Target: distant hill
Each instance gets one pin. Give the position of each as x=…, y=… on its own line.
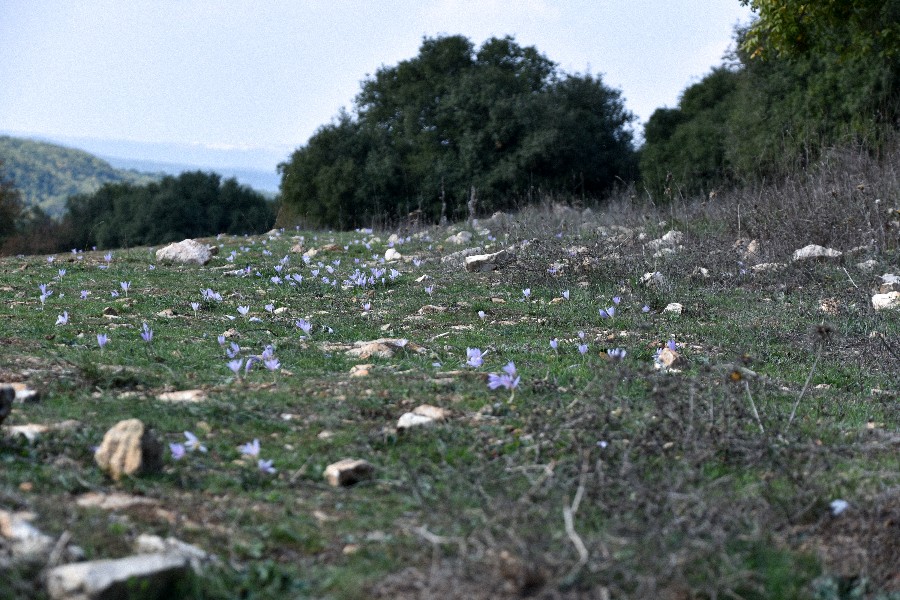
x=47, y=174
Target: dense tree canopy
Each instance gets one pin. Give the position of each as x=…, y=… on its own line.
x=10, y=205
x=500, y=119
x=806, y=76
x=194, y=204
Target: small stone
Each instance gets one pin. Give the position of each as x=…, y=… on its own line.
x=889, y=283
x=360, y=370
x=432, y=412
x=767, y=267
x=674, y=307
x=33, y=431
x=813, y=251
x=886, y=301
x=667, y=359
x=410, y=420
x=670, y=240
x=167, y=313
x=185, y=252
x=298, y=248
x=654, y=279
x=391, y=255
x=182, y=396
x=348, y=471
x=25, y=540
x=867, y=266
x=129, y=448
x=701, y=272
x=481, y=263
x=463, y=237
x=113, y=501
x=154, y=544
x=154, y=574
x=109, y=311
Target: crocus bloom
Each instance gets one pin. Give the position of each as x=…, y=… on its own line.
x=193, y=443
x=616, y=300
x=554, y=343
x=177, y=450
x=85, y=294
x=243, y=310
x=608, y=313
x=235, y=365
x=429, y=290
x=250, y=448
x=304, y=325
x=527, y=292
x=481, y=315
x=63, y=318
x=838, y=506
x=146, y=333
x=195, y=306
x=671, y=345
x=125, y=285
x=233, y=350
x=583, y=348
x=475, y=357
x=616, y=353
x=646, y=309
x=565, y=294
x=102, y=339
x=266, y=466
x=272, y=364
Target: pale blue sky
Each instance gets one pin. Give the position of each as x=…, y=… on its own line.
x=263, y=74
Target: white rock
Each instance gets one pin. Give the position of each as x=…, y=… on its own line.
x=654, y=279
x=867, y=266
x=815, y=252
x=488, y=262
x=432, y=412
x=391, y=254
x=674, y=307
x=393, y=238
x=463, y=237
x=348, y=471
x=459, y=257
x=767, y=267
x=185, y=252
x=410, y=420
x=886, y=301
x=889, y=283
x=671, y=239
x=701, y=272
x=182, y=396
x=154, y=574
x=25, y=540
x=153, y=544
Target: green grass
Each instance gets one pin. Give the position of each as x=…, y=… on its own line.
x=680, y=491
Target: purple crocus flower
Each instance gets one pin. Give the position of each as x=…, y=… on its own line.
x=125, y=285
x=272, y=364
x=63, y=318
x=243, y=310
x=102, y=340
x=266, y=466
x=304, y=325
x=554, y=343
x=235, y=365
x=616, y=353
x=671, y=345
x=146, y=333
x=177, y=450
x=565, y=294
x=474, y=357
x=250, y=448
x=582, y=348
x=193, y=443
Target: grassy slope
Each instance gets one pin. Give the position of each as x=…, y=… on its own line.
x=47, y=174
x=689, y=495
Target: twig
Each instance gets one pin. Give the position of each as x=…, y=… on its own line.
x=569, y=521
x=762, y=429
x=58, y=549
x=805, y=386
x=850, y=278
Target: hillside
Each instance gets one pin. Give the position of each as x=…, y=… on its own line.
x=47, y=174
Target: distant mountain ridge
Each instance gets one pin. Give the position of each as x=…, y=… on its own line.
x=47, y=174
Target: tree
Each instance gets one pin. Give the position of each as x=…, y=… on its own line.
x=501, y=119
x=10, y=205
x=790, y=28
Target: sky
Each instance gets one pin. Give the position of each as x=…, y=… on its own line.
x=255, y=78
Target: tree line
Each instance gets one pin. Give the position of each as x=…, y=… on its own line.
x=193, y=204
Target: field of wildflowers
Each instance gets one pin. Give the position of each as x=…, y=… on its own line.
x=596, y=445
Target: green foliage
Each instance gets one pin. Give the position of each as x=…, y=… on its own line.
x=194, y=204
x=47, y=174
x=500, y=119
x=761, y=118
x=10, y=205
x=789, y=28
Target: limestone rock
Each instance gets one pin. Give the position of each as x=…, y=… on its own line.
x=432, y=412
x=153, y=544
x=392, y=254
x=867, y=266
x=360, y=370
x=25, y=540
x=183, y=396
x=33, y=431
x=458, y=258
x=185, y=252
x=463, y=237
x=7, y=397
x=674, y=307
x=671, y=239
x=813, y=251
x=113, y=501
x=747, y=250
x=411, y=420
x=348, y=471
x=154, y=574
x=382, y=348
x=889, y=283
x=667, y=360
x=654, y=279
x=22, y=392
x=886, y=301
x=767, y=267
x=480, y=263
x=129, y=448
